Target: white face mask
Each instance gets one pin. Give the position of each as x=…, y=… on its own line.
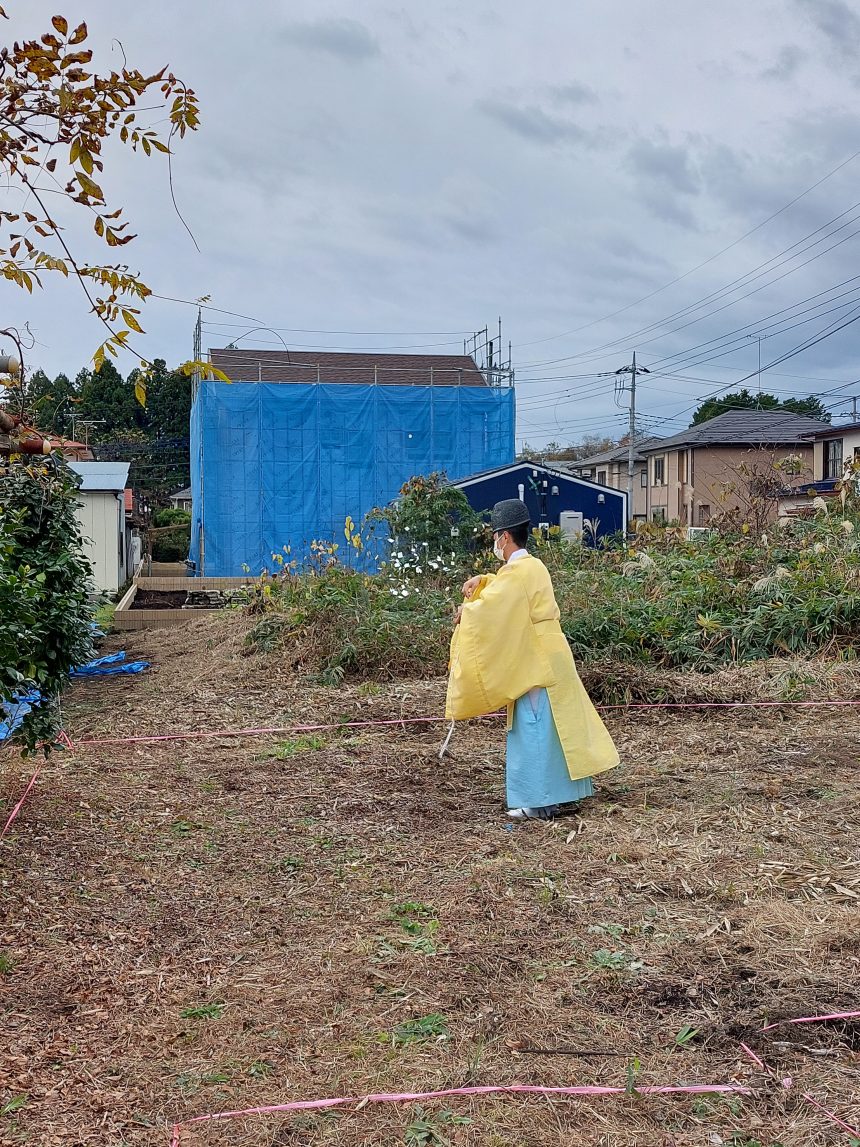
x=497, y=550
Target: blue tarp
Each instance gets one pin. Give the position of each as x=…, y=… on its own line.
x=16, y=710
x=275, y=464
x=110, y=666
x=13, y=712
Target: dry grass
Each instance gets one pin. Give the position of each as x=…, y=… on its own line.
x=712, y=883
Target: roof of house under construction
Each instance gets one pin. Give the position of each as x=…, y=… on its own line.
x=244, y=364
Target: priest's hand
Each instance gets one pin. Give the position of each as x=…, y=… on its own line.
x=458, y=615
x=471, y=585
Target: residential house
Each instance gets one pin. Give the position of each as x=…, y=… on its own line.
x=834, y=447
x=109, y=541
x=181, y=500
x=689, y=476
x=301, y=443
x=609, y=468
x=553, y=497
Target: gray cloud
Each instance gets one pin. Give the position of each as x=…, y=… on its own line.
x=787, y=64
x=360, y=188
x=574, y=93
x=837, y=22
x=532, y=123
x=344, y=38
x=664, y=164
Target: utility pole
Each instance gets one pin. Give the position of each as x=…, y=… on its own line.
x=758, y=338
x=633, y=371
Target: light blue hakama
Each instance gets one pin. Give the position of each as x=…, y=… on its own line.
x=536, y=772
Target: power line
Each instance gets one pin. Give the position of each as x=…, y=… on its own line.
x=358, y=349
x=698, y=267
x=825, y=333
x=760, y=323
x=742, y=280
x=369, y=334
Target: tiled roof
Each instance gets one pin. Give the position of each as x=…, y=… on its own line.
x=836, y=431
x=616, y=454
x=243, y=364
x=745, y=428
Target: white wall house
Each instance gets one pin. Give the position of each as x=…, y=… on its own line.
x=101, y=514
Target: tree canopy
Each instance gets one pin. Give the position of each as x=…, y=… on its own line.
x=746, y=400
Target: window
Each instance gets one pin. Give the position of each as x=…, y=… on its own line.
x=643, y=478
x=833, y=458
x=601, y=477
x=682, y=465
x=704, y=515
x=658, y=514
x=659, y=471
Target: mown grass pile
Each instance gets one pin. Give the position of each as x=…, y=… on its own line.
x=660, y=601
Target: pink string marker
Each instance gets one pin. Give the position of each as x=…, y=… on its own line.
x=415, y=1096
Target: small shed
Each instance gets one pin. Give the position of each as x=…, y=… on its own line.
x=552, y=496
x=101, y=514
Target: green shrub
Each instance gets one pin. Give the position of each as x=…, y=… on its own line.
x=430, y=517
x=663, y=601
x=45, y=583
x=172, y=546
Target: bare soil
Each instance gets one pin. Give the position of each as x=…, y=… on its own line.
x=197, y=926
x=159, y=599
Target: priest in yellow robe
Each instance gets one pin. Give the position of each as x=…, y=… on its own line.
x=509, y=651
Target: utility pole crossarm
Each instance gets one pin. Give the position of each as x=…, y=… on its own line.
x=632, y=370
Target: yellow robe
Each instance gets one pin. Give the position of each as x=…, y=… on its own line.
x=509, y=641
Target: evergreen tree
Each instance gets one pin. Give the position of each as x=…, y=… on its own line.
x=745, y=400
x=168, y=401
x=106, y=397
x=48, y=405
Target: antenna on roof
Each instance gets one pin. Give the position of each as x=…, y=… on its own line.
x=487, y=353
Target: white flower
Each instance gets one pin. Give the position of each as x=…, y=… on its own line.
x=418, y=569
x=847, y=526
x=819, y=504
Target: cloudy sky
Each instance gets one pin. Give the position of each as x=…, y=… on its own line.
x=601, y=175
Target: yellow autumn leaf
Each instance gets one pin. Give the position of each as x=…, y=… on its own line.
x=130, y=320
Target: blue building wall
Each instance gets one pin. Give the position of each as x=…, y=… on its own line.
x=484, y=490
x=276, y=464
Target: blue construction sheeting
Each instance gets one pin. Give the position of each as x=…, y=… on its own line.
x=276, y=464
x=535, y=483
x=13, y=712
x=113, y=665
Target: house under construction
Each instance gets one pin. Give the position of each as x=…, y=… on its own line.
x=298, y=442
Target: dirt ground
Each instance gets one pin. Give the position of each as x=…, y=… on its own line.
x=199, y=926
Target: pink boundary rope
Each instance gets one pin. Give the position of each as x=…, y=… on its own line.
x=831, y=1116
x=814, y=1019
x=20, y=803
x=64, y=738
x=787, y=1082
x=414, y=1096
x=275, y=729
